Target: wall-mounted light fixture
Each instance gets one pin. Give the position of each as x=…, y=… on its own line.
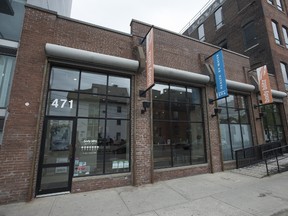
x=216, y=112
x=261, y=115
x=146, y=104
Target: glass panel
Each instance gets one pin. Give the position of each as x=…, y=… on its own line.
x=118, y=107
x=91, y=105
x=58, y=142
x=285, y=34
x=64, y=79
x=160, y=110
x=1, y=128
x=247, y=137
x=223, y=116
x=93, y=83
x=236, y=137
x=196, y=135
x=181, y=144
x=160, y=92
x=88, y=147
x=161, y=143
x=119, y=86
x=218, y=18
x=56, y=177
x=250, y=37
x=194, y=113
x=7, y=64
x=194, y=95
x=233, y=116
x=221, y=102
x=279, y=5
x=231, y=101
x=201, y=34
x=284, y=74
x=61, y=103
x=179, y=111
x=118, y=145
x=276, y=34
x=177, y=94
x=11, y=24
x=225, y=142
x=244, y=117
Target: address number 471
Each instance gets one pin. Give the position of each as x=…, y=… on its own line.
x=61, y=103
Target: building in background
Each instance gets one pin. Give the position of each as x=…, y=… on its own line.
x=11, y=16
x=259, y=30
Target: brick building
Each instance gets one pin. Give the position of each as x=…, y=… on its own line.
x=257, y=29
x=75, y=120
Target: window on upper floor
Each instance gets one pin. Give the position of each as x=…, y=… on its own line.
x=276, y=32
x=276, y=3
x=250, y=37
x=218, y=18
x=1, y=128
x=201, y=33
x=223, y=44
x=284, y=73
x=285, y=35
x=12, y=20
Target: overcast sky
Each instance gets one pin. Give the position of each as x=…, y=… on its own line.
x=172, y=15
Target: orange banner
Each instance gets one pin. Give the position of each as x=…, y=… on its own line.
x=264, y=85
x=150, y=59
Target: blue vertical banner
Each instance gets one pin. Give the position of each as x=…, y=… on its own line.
x=220, y=75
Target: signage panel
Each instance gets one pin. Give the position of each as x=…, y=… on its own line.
x=150, y=59
x=220, y=75
x=264, y=85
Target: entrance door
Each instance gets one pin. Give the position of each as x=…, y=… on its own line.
x=56, y=156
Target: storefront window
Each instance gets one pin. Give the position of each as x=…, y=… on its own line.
x=234, y=125
x=177, y=126
x=273, y=127
x=100, y=104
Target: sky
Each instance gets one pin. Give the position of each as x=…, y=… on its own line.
x=172, y=15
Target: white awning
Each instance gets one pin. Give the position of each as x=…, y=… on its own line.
x=278, y=94
x=239, y=86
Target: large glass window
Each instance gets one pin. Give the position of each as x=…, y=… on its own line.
x=178, y=130
x=218, y=18
x=276, y=32
x=273, y=127
x=235, y=128
x=250, y=38
x=7, y=64
x=99, y=102
x=279, y=5
x=284, y=73
x=201, y=33
x=12, y=20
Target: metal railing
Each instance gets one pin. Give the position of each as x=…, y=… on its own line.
x=252, y=155
x=276, y=155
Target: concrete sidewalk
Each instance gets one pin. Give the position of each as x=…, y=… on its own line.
x=219, y=194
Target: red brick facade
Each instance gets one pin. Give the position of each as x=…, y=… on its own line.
x=19, y=152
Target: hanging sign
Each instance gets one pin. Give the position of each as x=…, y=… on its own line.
x=220, y=75
x=264, y=85
x=150, y=59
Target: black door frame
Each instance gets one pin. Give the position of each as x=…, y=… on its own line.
x=41, y=158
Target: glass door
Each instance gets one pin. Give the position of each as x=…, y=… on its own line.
x=56, y=156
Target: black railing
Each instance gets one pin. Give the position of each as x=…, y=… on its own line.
x=252, y=155
x=276, y=155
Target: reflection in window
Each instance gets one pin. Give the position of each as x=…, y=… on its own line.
x=250, y=37
x=285, y=34
x=284, y=73
x=273, y=127
x=235, y=129
x=201, y=33
x=177, y=126
x=12, y=21
x=101, y=105
x=218, y=18
x=1, y=128
x=276, y=32
x=7, y=64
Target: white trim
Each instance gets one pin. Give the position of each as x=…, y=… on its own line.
x=91, y=57
x=7, y=43
x=239, y=86
x=176, y=74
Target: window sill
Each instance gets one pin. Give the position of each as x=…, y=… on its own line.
x=252, y=47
